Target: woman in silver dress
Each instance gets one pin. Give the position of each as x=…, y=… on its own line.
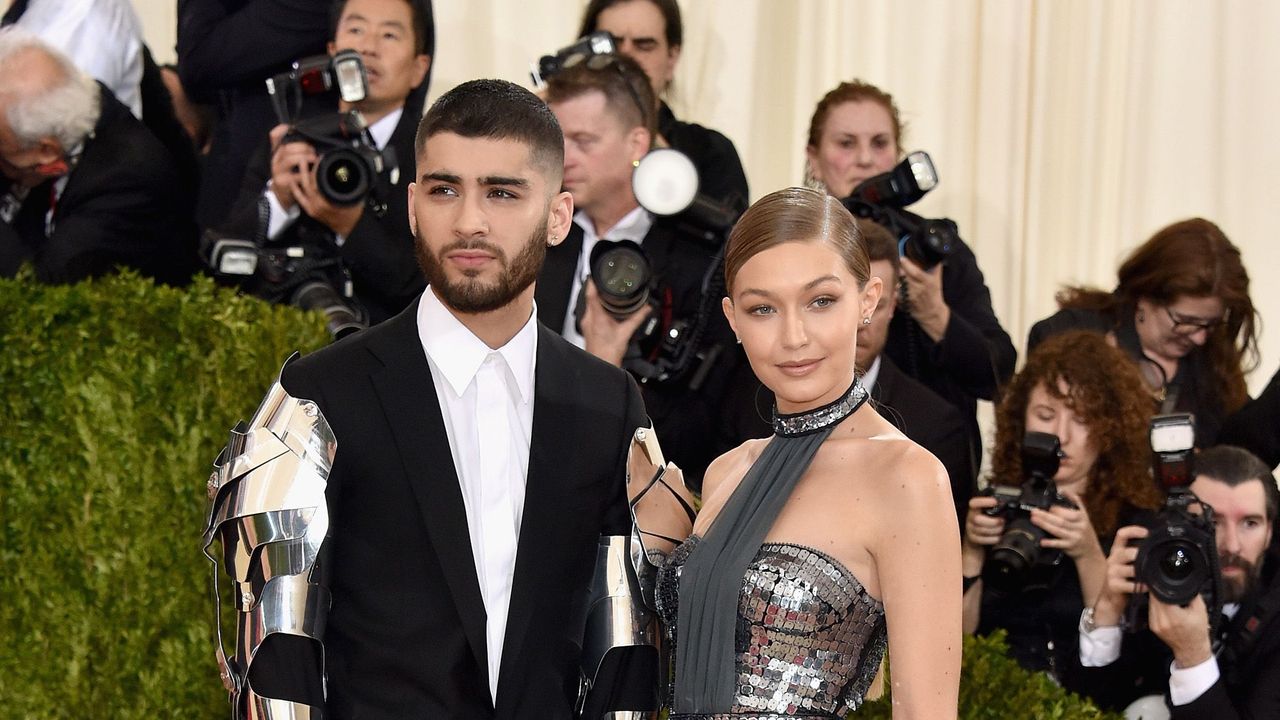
x=820, y=546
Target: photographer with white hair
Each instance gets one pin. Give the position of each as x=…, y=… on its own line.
x=86, y=186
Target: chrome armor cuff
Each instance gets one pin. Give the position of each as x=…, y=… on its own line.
x=621, y=650
x=267, y=513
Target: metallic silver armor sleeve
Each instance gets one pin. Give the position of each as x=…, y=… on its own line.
x=267, y=513
x=621, y=667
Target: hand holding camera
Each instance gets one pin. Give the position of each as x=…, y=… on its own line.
x=607, y=336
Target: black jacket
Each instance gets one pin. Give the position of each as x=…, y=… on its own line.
x=122, y=206
x=406, y=633
x=720, y=173
x=683, y=417
x=1256, y=426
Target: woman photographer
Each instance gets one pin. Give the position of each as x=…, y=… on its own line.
x=950, y=339
x=1181, y=311
x=1079, y=388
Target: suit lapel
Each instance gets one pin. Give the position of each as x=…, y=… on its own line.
x=555, y=282
x=555, y=395
x=408, y=397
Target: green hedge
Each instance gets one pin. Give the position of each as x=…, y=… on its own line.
x=117, y=395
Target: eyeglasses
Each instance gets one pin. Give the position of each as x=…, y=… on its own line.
x=1190, y=326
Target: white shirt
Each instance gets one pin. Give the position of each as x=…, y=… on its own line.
x=278, y=219
x=102, y=37
x=633, y=226
x=486, y=399
x=868, y=379
x=1101, y=647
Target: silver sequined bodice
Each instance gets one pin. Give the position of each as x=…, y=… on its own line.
x=809, y=638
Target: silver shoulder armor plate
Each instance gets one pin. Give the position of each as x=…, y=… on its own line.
x=267, y=514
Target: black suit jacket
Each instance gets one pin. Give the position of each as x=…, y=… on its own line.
x=379, y=252
x=1256, y=426
x=406, y=634
x=122, y=206
x=683, y=417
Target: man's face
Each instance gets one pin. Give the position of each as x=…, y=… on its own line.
x=599, y=150
x=1243, y=533
x=871, y=338
x=482, y=213
x=640, y=30
x=22, y=163
x=382, y=32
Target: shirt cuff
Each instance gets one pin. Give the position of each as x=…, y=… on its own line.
x=1186, y=685
x=277, y=217
x=1101, y=646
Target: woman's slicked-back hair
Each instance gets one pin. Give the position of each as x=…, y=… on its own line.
x=1105, y=389
x=795, y=215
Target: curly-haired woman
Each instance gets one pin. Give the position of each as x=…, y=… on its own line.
x=1080, y=388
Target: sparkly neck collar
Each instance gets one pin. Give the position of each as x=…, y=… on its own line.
x=811, y=421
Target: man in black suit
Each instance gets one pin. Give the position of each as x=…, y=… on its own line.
x=1177, y=656
x=606, y=108
x=479, y=455
x=280, y=202
x=86, y=186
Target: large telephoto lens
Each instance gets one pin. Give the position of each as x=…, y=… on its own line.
x=622, y=275
x=343, y=177
x=1173, y=566
x=340, y=317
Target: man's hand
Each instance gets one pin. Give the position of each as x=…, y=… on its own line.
x=605, y=337
x=1184, y=629
x=924, y=298
x=341, y=219
x=980, y=532
x=1120, y=582
x=289, y=164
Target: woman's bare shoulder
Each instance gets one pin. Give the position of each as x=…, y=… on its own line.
x=725, y=471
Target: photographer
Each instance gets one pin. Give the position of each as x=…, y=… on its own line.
x=949, y=337
x=370, y=237
x=651, y=33
x=1176, y=655
x=1082, y=390
x=604, y=107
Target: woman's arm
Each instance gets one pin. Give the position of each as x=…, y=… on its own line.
x=917, y=558
x=1072, y=532
x=980, y=532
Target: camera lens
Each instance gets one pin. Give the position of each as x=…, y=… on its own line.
x=1177, y=564
x=1010, y=559
x=1175, y=568
x=622, y=275
x=342, y=177
x=930, y=244
x=340, y=317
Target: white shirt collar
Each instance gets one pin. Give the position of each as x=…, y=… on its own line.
x=384, y=128
x=458, y=353
x=633, y=226
x=868, y=379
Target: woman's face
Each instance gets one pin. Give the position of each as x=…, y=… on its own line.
x=856, y=143
x=797, y=308
x=1170, y=332
x=1049, y=414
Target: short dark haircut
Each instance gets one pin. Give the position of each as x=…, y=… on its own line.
x=1235, y=466
x=424, y=26
x=497, y=110
x=626, y=89
x=674, y=29
x=880, y=244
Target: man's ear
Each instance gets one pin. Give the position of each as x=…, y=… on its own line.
x=331, y=48
x=421, y=64
x=559, y=218
x=413, y=219
x=639, y=141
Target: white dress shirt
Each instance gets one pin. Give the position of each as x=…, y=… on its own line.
x=633, y=226
x=102, y=37
x=1101, y=647
x=486, y=399
x=278, y=219
x=868, y=379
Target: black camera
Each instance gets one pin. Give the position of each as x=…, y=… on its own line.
x=882, y=199
x=596, y=43
x=1012, y=562
x=1179, y=558
x=349, y=159
x=310, y=276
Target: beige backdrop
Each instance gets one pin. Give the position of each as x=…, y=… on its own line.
x=1065, y=131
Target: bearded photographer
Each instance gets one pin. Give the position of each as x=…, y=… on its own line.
x=1176, y=656
x=1084, y=392
x=606, y=108
x=281, y=202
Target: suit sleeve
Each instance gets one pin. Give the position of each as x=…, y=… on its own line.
x=1262, y=700
x=975, y=350
x=1256, y=426
x=220, y=48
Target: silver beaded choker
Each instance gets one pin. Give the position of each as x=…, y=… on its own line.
x=812, y=421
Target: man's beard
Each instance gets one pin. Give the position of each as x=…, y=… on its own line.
x=471, y=295
x=1234, y=589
